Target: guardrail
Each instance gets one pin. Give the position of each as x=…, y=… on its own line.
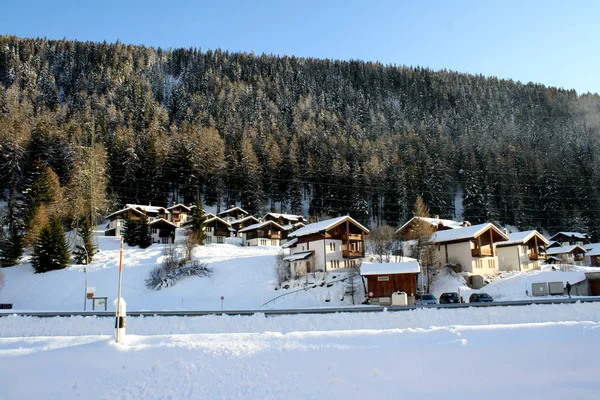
x=331, y=310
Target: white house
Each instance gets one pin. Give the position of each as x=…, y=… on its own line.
x=326, y=245
x=116, y=224
x=571, y=238
x=266, y=233
x=574, y=254
x=242, y=223
x=523, y=251
x=179, y=214
x=162, y=231
x=216, y=230
x=473, y=248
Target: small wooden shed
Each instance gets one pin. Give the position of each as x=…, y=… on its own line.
x=383, y=279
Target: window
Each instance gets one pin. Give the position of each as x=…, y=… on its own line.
x=209, y=229
x=219, y=239
x=154, y=230
x=332, y=246
x=273, y=242
x=165, y=240
x=208, y=239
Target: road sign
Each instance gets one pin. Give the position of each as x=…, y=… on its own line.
x=370, y=294
x=222, y=297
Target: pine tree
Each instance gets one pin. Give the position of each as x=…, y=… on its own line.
x=144, y=236
x=84, y=252
x=11, y=246
x=50, y=250
x=130, y=233
x=196, y=230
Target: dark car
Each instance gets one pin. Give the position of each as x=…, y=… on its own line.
x=452, y=297
x=425, y=299
x=480, y=298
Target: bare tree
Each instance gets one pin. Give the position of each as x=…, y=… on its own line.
x=282, y=268
x=383, y=243
x=423, y=249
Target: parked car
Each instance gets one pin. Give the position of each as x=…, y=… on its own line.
x=480, y=298
x=451, y=297
x=425, y=299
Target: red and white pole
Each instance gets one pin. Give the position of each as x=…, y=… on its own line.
x=121, y=312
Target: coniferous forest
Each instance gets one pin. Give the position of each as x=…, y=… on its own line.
x=325, y=137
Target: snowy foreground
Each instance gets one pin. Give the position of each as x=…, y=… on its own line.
x=540, y=351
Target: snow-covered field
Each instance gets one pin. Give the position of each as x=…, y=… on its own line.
x=538, y=351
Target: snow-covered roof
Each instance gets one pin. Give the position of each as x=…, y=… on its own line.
x=260, y=225
x=292, y=226
x=209, y=215
x=233, y=209
x=148, y=209
x=564, y=249
x=325, y=225
x=470, y=232
x=406, y=267
x=156, y=221
x=577, y=235
x=290, y=243
x=593, y=249
x=180, y=205
x=521, y=238
x=123, y=210
x=214, y=219
x=298, y=256
x=289, y=217
x=237, y=221
x=448, y=223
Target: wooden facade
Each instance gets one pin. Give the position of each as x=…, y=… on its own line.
x=386, y=284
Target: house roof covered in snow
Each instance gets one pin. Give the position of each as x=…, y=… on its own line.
x=250, y=217
x=470, y=232
x=162, y=220
x=576, y=235
x=593, y=249
x=290, y=243
x=326, y=225
x=405, y=267
x=298, y=256
x=289, y=217
x=297, y=225
x=518, y=238
x=261, y=225
x=148, y=209
x=135, y=210
x=437, y=222
x=180, y=205
x=564, y=250
x=233, y=209
x=217, y=219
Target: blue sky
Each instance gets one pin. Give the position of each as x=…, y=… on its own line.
x=556, y=43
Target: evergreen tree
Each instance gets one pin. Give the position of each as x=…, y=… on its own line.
x=11, y=246
x=143, y=233
x=50, y=250
x=196, y=230
x=84, y=252
x=130, y=233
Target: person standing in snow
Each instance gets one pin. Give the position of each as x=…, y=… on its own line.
x=568, y=289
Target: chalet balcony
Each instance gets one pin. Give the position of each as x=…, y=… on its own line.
x=579, y=258
x=274, y=235
x=482, y=252
x=220, y=233
x=352, y=237
x=352, y=254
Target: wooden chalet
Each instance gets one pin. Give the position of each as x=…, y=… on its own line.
x=232, y=214
x=571, y=238
x=383, y=279
x=567, y=255
x=162, y=231
x=284, y=219
x=116, y=224
x=152, y=212
x=473, y=247
x=245, y=222
x=334, y=243
x=266, y=233
x=217, y=230
x=523, y=251
x=179, y=214
x=593, y=254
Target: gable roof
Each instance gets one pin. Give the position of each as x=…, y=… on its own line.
x=298, y=256
x=231, y=210
x=325, y=225
x=158, y=220
x=289, y=217
x=290, y=243
x=564, y=250
x=297, y=225
x=405, y=267
x=209, y=215
x=261, y=225
x=217, y=219
x=576, y=235
x=522, y=238
x=447, y=223
x=135, y=210
x=180, y=205
x=148, y=209
x=462, y=234
x=237, y=221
